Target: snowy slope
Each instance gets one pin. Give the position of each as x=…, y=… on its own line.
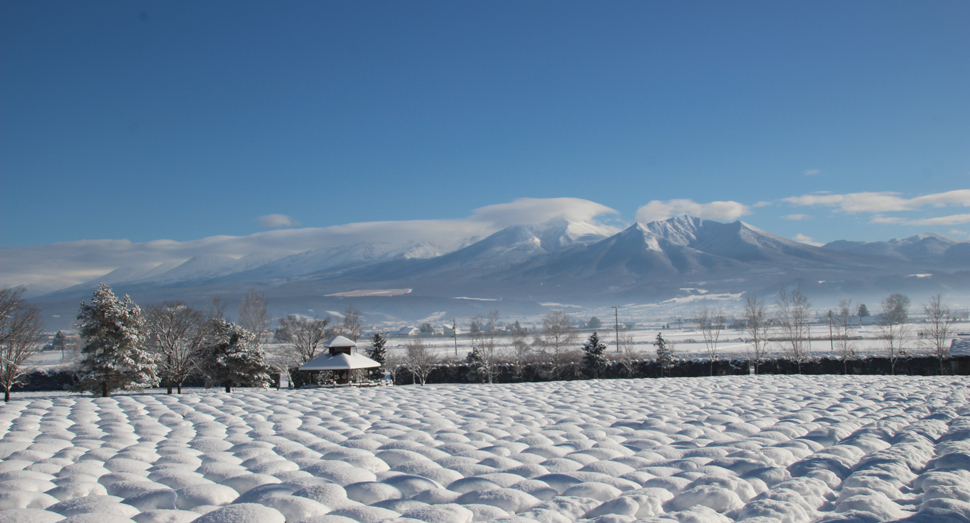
x=777, y=448
x=556, y=261
x=927, y=248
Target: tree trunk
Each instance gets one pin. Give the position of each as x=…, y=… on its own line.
x=168, y=379
x=228, y=387
x=6, y=395
x=180, y=388
x=104, y=389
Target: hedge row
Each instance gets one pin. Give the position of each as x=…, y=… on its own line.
x=530, y=372
x=538, y=371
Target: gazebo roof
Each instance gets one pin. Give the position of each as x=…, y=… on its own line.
x=340, y=362
x=340, y=341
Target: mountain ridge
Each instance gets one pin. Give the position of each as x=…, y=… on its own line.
x=561, y=261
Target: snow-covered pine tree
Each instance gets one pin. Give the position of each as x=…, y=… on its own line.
x=230, y=357
x=478, y=368
x=594, y=358
x=665, y=355
x=114, y=353
x=378, y=353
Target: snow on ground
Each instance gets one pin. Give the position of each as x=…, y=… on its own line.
x=755, y=448
x=689, y=342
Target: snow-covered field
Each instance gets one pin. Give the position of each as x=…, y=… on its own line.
x=689, y=342
x=755, y=448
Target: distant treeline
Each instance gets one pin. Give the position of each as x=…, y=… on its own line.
x=459, y=372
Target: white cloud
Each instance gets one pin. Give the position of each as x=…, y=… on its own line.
x=276, y=221
x=812, y=172
x=540, y=210
x=886, y=219
x=661, y=210
x=796, y=217
x=801, y=238
x=70, y=263
x=876, y=202
x=955, y=219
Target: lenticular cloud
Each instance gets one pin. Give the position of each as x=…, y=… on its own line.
x=784, y=448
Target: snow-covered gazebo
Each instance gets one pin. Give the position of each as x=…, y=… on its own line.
x=341, y=359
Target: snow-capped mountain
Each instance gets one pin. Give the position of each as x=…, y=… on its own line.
x=926, y=247
x=556, y=261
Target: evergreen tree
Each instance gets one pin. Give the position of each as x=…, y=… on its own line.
x=378, y=353
x=114, y=354
x=478, y=369
x=863, y=311
x=594, y=359
x=665, y=355
x=59, y=343
x=230, y=357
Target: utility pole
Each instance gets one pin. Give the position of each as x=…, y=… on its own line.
x=831, y=340
x=616, y=325
x=454, y=333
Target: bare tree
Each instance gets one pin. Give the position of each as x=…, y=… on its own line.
x=711, y=322
x=254, y=317
x=628, y=357
x=937, y=329
x=519, y=350
x=484, y=347
x=303, y=335
x=839, y=322
x=176, y=333
x=351, y=325
x=793, y=314
x=557, y=340
x=895, y=327
x=217, y=307
x=419, y=359
x=20, y=332
x=757, y=323
x=393, y=363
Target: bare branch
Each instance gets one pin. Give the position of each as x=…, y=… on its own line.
x=20, y=333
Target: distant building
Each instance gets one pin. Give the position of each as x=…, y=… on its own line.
x=405, y=331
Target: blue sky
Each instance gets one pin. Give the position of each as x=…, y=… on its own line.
x=184, y=120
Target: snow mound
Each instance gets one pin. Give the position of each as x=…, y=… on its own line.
x=242, y=513
x=792, y=449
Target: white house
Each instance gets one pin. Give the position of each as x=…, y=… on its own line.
x=405, y=331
